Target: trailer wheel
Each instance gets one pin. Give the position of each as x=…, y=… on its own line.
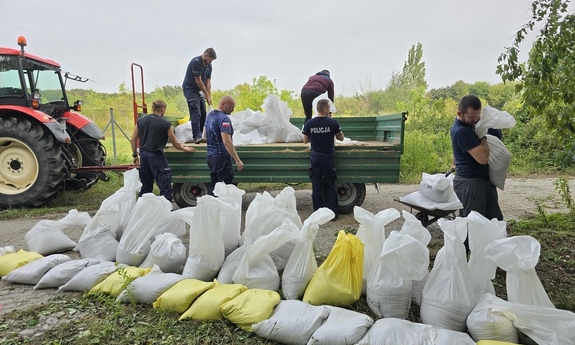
x=187, y=194
x=86, y=151
x=31, y=165
x=349, y=195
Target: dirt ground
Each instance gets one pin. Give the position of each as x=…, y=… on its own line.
x=518, y=200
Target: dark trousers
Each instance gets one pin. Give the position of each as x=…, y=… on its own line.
x=221, y=169
x=477, y=195
x=307, y=97
x=154, y=167
x=322, y=174
x=197, y=108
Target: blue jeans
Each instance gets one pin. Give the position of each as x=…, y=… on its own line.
x=322, y=174
x=154, y=166
x=197, y=108
x=221, y=169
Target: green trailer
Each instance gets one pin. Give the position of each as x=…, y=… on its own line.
x=376, y=159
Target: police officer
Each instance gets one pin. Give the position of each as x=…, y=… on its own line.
x=320, y=131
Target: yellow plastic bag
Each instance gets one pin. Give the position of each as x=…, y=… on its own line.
x=338, y=280
x=12, y=261
x=250, y=307
x=116, y=282
x=179, y=297
x=183, y=120
x=206, y=307
x=494, y=342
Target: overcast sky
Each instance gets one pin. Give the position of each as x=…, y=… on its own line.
x=360, y=42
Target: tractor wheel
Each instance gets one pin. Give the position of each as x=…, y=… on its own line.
x=86, y=151
x=32, y=169
x=187, y=194
x=349, y=195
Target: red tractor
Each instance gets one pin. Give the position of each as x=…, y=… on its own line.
x=42, y=142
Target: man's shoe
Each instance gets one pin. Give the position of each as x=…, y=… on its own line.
x=200, y=141
x=334, y=218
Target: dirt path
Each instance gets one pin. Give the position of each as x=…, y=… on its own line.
x=517, y=200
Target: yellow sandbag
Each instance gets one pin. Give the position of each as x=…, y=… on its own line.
x=205, y=307
x=338, y=280
x=117, y=281
x=494, y=342
x=183, y=120
x=179, y=297
x=12, y=261
x=250, y=307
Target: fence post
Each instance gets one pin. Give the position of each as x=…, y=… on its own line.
x=113, y=121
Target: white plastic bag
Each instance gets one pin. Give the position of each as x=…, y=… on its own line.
x=449, y=294
x=32, y=272
x=90, y=276
x=147, y=288
x=499, y=161
x=342, y=327
x=149, y=212
x=257, y=269
x=372, y=233
x=518, y=255
x=62, y=273
x=207, y=252
x=167, y=252
x=232, y=223
x=436, y=187
x=47, y=236
x=397, y=331
x=483, y=323
x=302, y=264
x=493, y=118
x=184, y=133
x=412, y=226
x=403, y=258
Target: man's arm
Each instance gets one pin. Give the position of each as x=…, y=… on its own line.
x=305, y=139
x=228, y=143
x=204, y=89
x=481, y=152
x=209, y=88
x=134, y=145
x=176, y=143
x=340, y=135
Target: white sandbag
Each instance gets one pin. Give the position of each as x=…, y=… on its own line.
x=177, y=222
x=518, y=255
x=403, y=258
x=419, y=200
x=280, y=128
x=232, y=223
x=184, y=133
x=342, y=327
x=62, y=273
x=485, y=323
x=265, y=213
x=413, y=227
x=493, y=118
x=397, y=331
x=231, y=264
x=448, y=337
x=449, y=294
x=207, y=252
x=167, y=252
x=332, y=108
x=499, y=161
x=302, y=263
x=372, y=233
x=293, y=322
x=149, y=212
x=100, y=245
x=32, y=272
x=483, y=231
x=90, y=276
x=257, y=269
x=147, y=288
x=131, y=188
x=47, y=236
x=436, y=187
x=7, y=250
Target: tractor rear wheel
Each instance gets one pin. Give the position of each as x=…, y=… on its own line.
x=86, y=151
x=187, y=194
x=349, y=195
x=32, y=168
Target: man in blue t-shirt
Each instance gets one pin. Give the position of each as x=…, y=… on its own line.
x=320, y=131
x=153, y=132
x=198, y=89
x=218, y=133
x=471, y=156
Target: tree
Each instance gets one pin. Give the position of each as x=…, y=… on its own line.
x=548, y=86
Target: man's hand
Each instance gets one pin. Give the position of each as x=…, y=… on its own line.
x=189, y=149
x=209, y=100
x=136, y=160
x=240, y=164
